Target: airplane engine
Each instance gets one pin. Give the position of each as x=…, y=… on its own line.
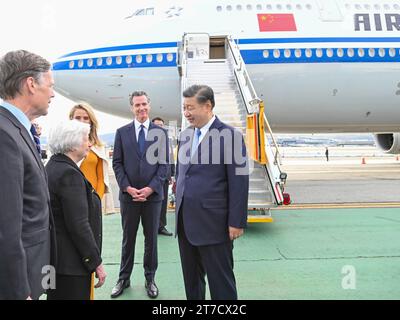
x=388, y=142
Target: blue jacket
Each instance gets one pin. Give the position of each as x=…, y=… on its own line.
x=133, y=170
x=212, y=196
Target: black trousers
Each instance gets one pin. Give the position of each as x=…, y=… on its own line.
x=164, y=206
x=149, y=214
x=71, y=288
x=215, y=261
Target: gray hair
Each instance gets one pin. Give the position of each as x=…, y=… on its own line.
x=138, y=94
x=67, y=136
x=202, y=93
x=15, y=67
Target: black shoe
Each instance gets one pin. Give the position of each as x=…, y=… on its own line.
x=164, y=232
x=151, y=288
x=119, y=288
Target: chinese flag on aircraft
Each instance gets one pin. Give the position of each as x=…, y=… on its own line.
x=276, y=22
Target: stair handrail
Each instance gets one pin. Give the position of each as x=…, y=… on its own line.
x=251, y=99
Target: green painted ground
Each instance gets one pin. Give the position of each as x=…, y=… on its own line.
x=304, y=254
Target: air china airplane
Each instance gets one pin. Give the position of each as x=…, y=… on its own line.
x=319, y=65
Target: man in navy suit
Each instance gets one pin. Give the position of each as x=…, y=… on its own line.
x=140, y=165
x=211, y=197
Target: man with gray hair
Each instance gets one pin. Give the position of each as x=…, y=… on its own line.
x=26, y=233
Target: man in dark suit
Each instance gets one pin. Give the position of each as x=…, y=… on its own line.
x=211, y=197
x=26, y=233
x=171, y=172
x=140, y=165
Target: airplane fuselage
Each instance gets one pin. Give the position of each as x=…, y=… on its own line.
x=326, y=67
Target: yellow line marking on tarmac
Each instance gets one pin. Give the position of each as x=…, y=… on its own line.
x=339, y=205
x=257, y=219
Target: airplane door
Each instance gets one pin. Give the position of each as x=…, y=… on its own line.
x=329, y=10
x=198, y=46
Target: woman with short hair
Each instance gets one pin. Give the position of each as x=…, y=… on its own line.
x=77, y=214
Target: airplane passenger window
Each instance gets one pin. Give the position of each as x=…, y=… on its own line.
x=358, y=7
x=149, y=58
x=329, y=53
x=139, y=58
x=298, y=6
x=229, y=8
x=386, y=6
x=367, y=7
x=249, y=7
x=277, y=53
x=340, y=52
x=287, y=53
x=279, y=6
x=289, y=7
x=109, y=61
x=318, y=53
x=128, y=59
x=308, y=53
x=381, y=52
x=392, y=52
x=170, y=57
x=348, y=6
x=396, y=6
x=266, y=54
x=269, y=7
x=80, y=63
x=118, y=60
x=377, y=7
x=259, y=7
x=99, y=61
x=309, y=6
x=219, y=8
x=350, y=52
x=239, y=7
x=361, y=52
x=297, y=53
x=90, y=63
x=159, y=57
x=71, y=64
x=371, y=52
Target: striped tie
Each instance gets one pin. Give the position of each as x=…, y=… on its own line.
x=36, y=138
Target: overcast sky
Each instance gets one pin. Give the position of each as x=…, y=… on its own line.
x=52, y=28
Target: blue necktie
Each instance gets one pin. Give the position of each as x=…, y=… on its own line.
x=141, y=140
x=196, y=140
x=36, y=138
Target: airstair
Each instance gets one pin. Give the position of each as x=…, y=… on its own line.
x=217, y=62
